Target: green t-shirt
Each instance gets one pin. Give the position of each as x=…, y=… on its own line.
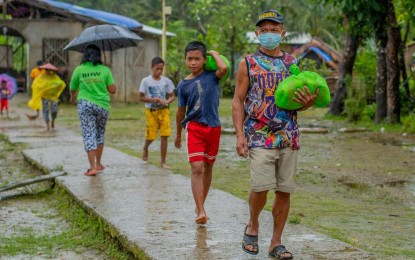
x=92, y=82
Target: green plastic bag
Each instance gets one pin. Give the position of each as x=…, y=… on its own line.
x=210, y=65
x=286, y=89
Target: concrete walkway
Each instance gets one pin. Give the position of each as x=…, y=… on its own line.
x=152, y=210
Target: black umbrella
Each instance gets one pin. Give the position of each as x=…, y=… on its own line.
x=107, y=37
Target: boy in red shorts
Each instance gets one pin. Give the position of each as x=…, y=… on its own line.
x=198, y=96
x=4, y=97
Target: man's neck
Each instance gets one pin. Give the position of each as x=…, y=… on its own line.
x=274, y=52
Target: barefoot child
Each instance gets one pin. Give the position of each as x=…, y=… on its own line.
x=4, y=97
x=198, y=96
x=153, y=90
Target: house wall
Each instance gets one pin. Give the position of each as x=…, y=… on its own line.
x=34, y=31
x=128, y=65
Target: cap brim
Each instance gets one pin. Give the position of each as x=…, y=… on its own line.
x=269, y=19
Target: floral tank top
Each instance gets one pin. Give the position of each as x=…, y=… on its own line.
x=266, y=125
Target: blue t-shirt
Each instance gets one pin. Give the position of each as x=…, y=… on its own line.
x=201, y=96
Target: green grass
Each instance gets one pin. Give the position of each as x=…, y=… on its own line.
x=340, y=181
x=83, y=233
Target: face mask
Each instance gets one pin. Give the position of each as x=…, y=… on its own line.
x=269, y=40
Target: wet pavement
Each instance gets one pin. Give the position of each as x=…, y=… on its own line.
x=150, y=209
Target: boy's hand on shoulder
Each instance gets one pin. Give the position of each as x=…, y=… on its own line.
x=213, y=53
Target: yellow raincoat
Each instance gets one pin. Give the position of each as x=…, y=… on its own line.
x=48, y=86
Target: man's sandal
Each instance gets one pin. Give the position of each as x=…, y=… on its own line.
x=279, y=251
x=250, y=240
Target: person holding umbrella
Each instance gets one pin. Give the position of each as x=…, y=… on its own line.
x=8, y=89
x=90, y=86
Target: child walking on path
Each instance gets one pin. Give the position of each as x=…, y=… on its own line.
x=4, y=98
x=153, y=91
x=198, y=96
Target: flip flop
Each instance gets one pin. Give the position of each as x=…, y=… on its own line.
x=278, y=251
x=250, y=240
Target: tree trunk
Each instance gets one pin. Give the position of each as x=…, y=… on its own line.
x=345, y=72
x=402, y=64
x=392, y=61
x=381, y=68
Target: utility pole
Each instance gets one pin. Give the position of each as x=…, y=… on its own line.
x=163, y=36
x=166, y=10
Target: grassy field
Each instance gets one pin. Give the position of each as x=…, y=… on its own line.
x=355, y=187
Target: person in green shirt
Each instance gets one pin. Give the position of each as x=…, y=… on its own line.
x=91, y=86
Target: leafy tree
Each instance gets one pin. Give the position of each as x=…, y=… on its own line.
x=392, y=61
x=223, y=25
x=352, y=41
x=381, y=38
x=176, y=67
x=318, y=20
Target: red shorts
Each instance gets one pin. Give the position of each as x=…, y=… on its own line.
x=4, y=104
x=202, y=142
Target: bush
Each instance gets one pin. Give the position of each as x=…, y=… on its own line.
x=354, y=108
x=365, y=69
x=369, y=112
x=312, y=65
x=408, y=123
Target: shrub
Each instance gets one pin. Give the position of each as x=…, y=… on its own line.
x=408, y=123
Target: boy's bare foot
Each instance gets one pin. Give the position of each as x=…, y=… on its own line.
x=201, y=219
x=165, y=166
x=145, y=155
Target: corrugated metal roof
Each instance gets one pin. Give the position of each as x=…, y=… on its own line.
x=98, y=15
x=152, y=30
